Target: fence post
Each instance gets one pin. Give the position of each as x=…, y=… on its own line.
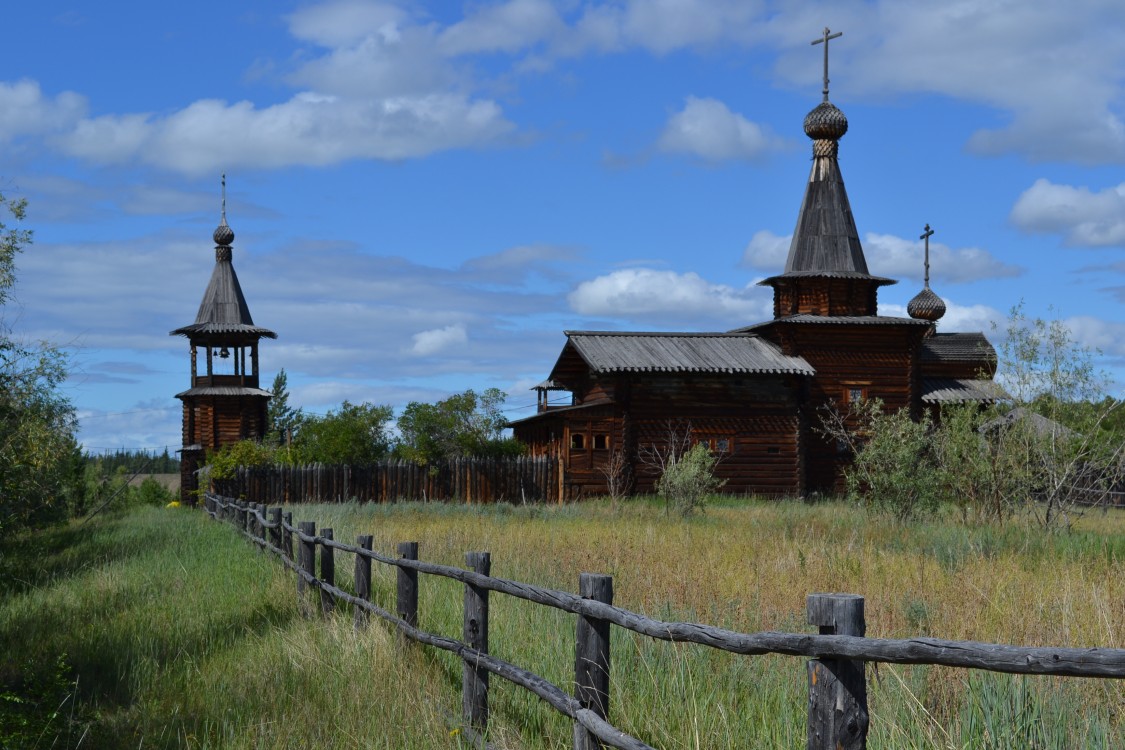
x=307, y=562
x=275, y=533
x=838, y=715
x=287, y=535
x=591, y=657
x=408, y=584
x=474, y=681
x=327, y=573
x=362, y=579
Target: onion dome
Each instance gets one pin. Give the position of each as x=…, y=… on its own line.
x=223, y=235
x=926, y=306
x=826, y=122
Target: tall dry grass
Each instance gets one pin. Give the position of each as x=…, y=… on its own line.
x=189, y=638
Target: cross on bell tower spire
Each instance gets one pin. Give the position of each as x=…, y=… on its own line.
x=926, y=236
x=824, y=40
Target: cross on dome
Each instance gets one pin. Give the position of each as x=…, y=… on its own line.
x=827, y=35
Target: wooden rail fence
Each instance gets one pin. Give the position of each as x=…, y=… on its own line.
x=837, y=706
x=518, y=479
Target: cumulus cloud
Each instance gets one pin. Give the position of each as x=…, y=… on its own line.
x=708, y=129
x=437, y=340
x=667, y=296
x=1085, y=218
x=957, y=317
x=309, y=129
x=24, y=110
x=894, y=257
x=1052, y=69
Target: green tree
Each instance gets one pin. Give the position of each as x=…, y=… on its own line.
x=894, y=468
x=355, y=434
x=465, y=424
x=283, y=419
x=39, y=476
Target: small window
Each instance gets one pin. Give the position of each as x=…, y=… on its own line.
x=577, y=441
x=856, y=395
x=773, y=450
x=722, y=445
x=601, y=442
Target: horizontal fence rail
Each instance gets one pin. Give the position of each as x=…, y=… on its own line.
x=836, y=676
x=515, y=479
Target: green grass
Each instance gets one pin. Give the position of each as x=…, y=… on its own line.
x=161, y=628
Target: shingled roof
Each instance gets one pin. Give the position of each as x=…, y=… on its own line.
x=612, y=351
x=836, y=320
x=825, y=241
x=961, y=390
x=957, y=347
x=223, y=310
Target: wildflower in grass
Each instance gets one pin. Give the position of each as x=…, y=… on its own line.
x=173, y=504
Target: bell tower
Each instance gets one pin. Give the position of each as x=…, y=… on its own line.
x=225, y=402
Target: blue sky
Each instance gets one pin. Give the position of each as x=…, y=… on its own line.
x=426, y=194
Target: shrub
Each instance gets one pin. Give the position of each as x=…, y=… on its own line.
x=688, y=479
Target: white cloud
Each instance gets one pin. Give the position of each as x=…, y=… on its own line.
x=437, y=340
x=1052, y=68
x=647, y=294
x=507, y=27
x=1105, y=336
x=767, y=251
x=899, y=258
x=24, y=110
x=894, y=257
x=311, y=130
x=708, y=129
x=1083, y=217
x=957, y=317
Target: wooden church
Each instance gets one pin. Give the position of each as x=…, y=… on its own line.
x=754, y=395
x=225, y=402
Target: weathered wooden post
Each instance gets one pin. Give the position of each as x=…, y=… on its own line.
x=307, y=561
x=362, y=579
x=327, y=573
x=286, y=534
x=474, y=680
x=591, y=657
x=275, y=533
x=838, y=717
x=408, y=584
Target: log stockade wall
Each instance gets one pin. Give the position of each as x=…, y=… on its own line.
x=519, y=479
x=837, y=707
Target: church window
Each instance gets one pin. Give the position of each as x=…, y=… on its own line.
x=601, y=442
x=856, y=395
x=577, y=441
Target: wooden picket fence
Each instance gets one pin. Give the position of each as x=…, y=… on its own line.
x=516, y=479
x=837, y=715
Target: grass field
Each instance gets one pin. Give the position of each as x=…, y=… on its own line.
x=163, y=629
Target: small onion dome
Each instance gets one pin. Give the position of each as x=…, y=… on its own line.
x=826, y=122
x=926, y=306
x=224, y=235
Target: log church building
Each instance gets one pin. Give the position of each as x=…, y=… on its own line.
x=754, y=395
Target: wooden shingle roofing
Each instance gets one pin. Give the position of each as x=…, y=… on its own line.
x=612, y=351
x=957, y=347
x=961, y=390
x=223, y=309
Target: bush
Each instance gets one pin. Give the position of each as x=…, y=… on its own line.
x=688, y=479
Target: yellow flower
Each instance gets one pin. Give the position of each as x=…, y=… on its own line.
x=173, y=504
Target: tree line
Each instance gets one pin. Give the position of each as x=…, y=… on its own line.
x=467, y=424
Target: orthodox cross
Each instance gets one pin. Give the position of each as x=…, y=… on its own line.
x=824, y=39
x=224, y=197
x=926, y=236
